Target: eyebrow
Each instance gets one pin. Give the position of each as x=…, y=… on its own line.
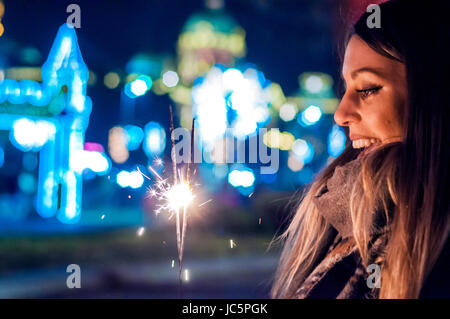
x=375, y=71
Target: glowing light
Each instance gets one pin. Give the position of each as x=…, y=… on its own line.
x=170, y=78
x=90, y=146
x=286, y=141
x=117, y=145
x=186, y=275
x=232, y=79
x=243, y=178
x=288, y=112
x=276, y=139
x=272, y=138
x=129, y=179
x=95, y=161
x=134, y=137
x=2, y=11
x=310, y=116
x=317, y=85
x=210, y=106
x=303, y=150
x=138, y=87
x=29, y=135
x=232, y=243
x=111, y=80
x=155, y=139
x=336, y=141
x=158, y=161
x=71, y=213
x=55, y=128
x=230, y=98
x=140, y=231
x=179, y=196
x=314, y=84
x=294, y=163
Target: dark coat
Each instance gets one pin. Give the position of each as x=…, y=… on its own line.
x=341, y=274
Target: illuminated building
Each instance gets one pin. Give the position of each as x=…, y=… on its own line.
x=51, y=117
x=208, y=38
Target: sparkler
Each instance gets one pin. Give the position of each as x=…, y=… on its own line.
x=175, y=197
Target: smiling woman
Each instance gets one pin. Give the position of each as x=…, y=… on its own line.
x=375, y=222
x=375, y=97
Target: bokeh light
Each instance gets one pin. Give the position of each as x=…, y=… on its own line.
x=111, y=80
x=314, y=84
x=241, y=177
x=310, y=116
x=134, y=137
x=129, y=179
x=303, y=150
x=336, y=141
x=138, y=87
x=170, y=78
x=288, y=111
x=230, y=98
x=29, y=135
x=155, y=139
x=117, y=144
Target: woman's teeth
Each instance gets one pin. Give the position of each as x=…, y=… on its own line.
x=365, y=142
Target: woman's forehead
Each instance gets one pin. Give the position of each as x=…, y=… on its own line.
x=361, y=58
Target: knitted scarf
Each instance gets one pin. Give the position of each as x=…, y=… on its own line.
x=333, y=203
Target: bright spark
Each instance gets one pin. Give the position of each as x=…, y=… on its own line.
x=204, y=203
x=154, y=172
x=140, y=172
x=158, y=161
x=141, y=231
x=179, y=196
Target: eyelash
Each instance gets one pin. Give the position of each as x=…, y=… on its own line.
x=365, y=93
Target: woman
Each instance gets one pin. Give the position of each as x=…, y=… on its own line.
x=375, y=222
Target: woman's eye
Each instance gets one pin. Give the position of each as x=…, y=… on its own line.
x=367, y=92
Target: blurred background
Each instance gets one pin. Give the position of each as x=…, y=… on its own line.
x=83, y=109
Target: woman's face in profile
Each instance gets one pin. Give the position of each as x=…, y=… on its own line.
x=375, y=96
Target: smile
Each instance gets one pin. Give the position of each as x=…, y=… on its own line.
x=365, y=142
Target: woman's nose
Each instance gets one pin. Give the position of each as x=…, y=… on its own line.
x=346, y=112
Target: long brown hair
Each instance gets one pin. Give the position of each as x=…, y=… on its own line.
x=413, y=173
